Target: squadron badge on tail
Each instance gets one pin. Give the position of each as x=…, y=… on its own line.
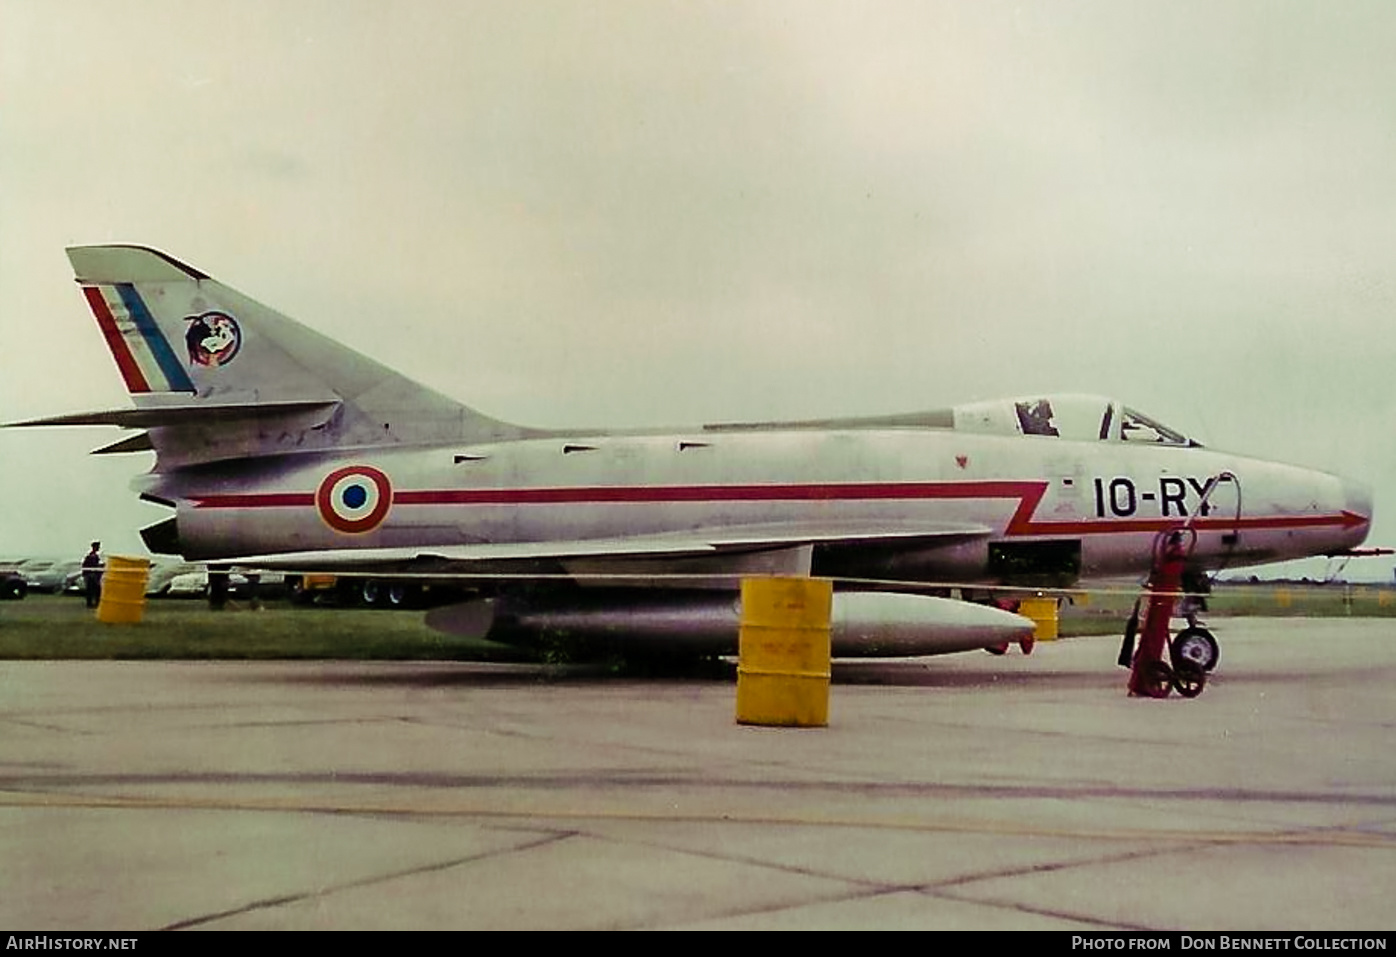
x=213, y=338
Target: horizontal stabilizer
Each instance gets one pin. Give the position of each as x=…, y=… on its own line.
x=173, y=415
x=136, y=443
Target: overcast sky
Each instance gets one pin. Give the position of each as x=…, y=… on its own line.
x=649, y=213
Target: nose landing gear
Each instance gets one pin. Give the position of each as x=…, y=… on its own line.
x=1193, y=652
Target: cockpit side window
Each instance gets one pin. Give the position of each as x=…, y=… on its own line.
x=1140, y=428
x=1035, y=417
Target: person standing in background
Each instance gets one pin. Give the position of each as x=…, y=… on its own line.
x=92, y=575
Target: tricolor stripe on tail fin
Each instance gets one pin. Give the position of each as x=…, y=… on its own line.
x=140, y=349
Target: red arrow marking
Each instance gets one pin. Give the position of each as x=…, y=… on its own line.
x=1028, y=494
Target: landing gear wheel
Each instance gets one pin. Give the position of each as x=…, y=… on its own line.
x=370, y=592
x=1157, y=679
x=1189, y=679
x=401, y=595
x=1196, y=645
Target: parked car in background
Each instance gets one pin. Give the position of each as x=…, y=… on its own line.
x=73, y=583
x=195, y=584
x=48, y=575
x=163, y=571
x=12, y=586
x=192, y=582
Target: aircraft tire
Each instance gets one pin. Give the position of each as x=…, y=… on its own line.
x=371, y=592
x=1189, y=679
x=1198, y=646
x=401, y=595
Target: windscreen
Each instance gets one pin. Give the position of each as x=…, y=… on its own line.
x=1136, y=427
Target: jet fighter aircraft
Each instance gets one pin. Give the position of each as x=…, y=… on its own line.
x=277, y=447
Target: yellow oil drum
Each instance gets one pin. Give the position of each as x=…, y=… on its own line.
x=1044, y=612
x=123, y=590
x=783, y=663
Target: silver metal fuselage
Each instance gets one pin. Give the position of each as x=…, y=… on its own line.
x=1112, y=497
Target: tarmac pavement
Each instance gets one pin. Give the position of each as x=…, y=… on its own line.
x=961, y=792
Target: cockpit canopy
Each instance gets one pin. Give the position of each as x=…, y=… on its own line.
x=1077, y=418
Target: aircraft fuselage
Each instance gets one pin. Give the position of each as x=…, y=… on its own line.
x=1104, y=501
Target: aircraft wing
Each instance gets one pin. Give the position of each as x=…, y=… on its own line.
x=711, y=542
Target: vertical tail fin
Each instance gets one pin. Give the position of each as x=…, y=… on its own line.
x=214, y=373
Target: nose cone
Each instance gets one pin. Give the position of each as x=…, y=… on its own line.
x=1295, y=512
x=1357, y=508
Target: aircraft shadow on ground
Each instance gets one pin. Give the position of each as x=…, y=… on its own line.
x=884, y=673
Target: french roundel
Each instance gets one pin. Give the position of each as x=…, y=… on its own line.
x=354, y=499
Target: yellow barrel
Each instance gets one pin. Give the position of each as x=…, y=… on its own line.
x=123, y=590
x=783, y=662
x=1044, y=612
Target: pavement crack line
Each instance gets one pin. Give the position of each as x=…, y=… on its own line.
x=936, y=889
x=284, y=899
x=45, y=726
x=946, y=890
x=1020, y=908
x=1338, y=837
